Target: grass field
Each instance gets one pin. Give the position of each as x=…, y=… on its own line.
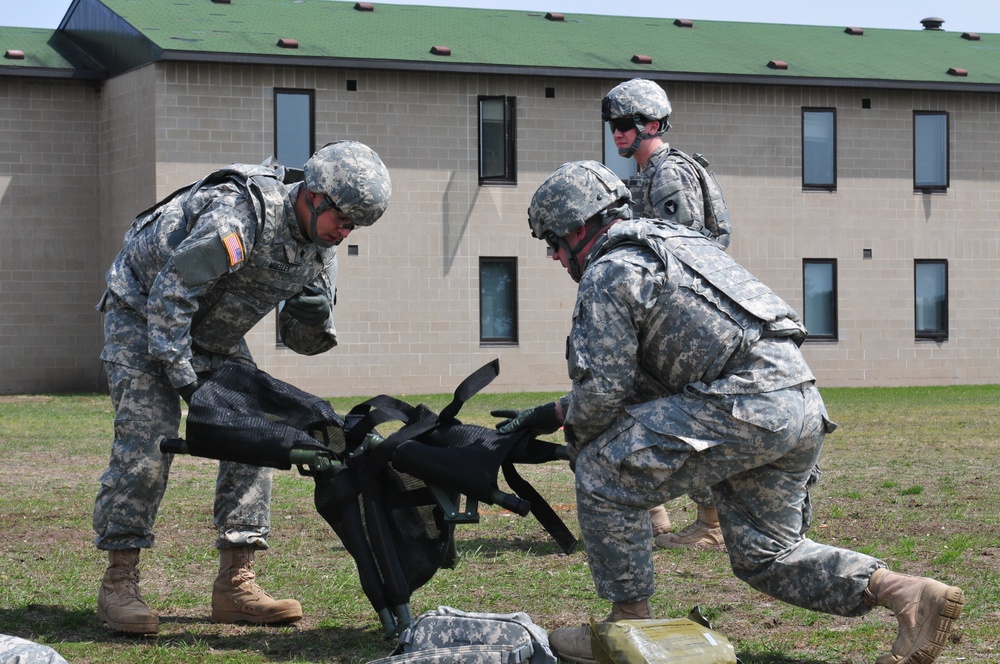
x=911, y=476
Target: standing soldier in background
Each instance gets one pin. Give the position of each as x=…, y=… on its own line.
x=674, y=186
x=196, y=273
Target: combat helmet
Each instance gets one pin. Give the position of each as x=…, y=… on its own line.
x=569, y=197
x=354, y=180
x=641, y=100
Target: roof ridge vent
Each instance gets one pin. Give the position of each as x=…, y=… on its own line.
x=971, y=36
x=555, y=16
x=642, y=59
x=957, y=71
x=221, y=2
x=288, y=43
x=778, y=64
x=857, y=32
x=683, y=23
x=440, y=50
x=364, y=7
x=14, y=54
x=932, y=23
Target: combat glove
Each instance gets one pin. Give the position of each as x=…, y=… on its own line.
x=187, y=391
x=310, y=306
x=540, y=419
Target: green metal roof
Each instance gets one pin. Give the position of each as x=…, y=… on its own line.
x=45, y=53
x=330, y=32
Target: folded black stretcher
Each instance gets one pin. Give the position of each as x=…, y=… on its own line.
x=394, y=501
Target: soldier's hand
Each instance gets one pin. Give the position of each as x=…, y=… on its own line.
x=187, y=391
x=309, y=306
x=539, y=419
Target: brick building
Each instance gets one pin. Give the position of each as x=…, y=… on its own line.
x=860, y=167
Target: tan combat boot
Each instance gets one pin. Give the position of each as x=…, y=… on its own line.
x=236, y=597
x=704, y=533
x=661, y=520
x=574, y=644
x=925, y=610
x=119, y=603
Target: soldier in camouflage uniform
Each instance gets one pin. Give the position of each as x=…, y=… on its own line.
x=669, y=185
x=15, y=650
x=196, y=273
x=661, y=303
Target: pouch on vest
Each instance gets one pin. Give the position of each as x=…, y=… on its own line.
x=689, y=640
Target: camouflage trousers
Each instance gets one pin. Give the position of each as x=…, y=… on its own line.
x=757, y=452
x=15, y=650
x=147, y=410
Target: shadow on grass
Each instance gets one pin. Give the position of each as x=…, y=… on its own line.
x=187, y=636
x=778, y=659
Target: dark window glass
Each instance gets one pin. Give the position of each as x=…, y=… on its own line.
x=819, y=149
x=498, y=300
x=819, y=288
x=293, y=127
x=930, y=151
x=496, y=140
x=930, y=299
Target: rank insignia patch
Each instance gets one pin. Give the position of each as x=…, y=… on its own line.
x=234, y=247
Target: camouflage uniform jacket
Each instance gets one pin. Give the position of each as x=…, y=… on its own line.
x=669, y=187
x=662, y=309
x=205, y=265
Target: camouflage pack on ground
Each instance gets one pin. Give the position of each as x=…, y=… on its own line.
x=452, y=636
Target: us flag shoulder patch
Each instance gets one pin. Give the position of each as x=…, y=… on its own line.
x=234, y=248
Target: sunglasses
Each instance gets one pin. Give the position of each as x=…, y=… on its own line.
x=553, y=241
x=621, y=124
x=348, y=226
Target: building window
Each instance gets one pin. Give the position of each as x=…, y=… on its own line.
x=819, y=288
x=294, y=128
x=496, y=141
x=930, y=299
x=819, y=149
x=623, y=167
x=498, y=300
x=930, y=151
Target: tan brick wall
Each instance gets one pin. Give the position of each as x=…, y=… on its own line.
x=408, y=307
x=408, y=302
x=49, y=332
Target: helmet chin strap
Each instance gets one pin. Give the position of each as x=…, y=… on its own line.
x=631, y=150
x=575, y=268
x=314, y=213
x=640, y=136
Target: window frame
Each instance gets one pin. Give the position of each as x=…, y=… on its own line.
x=834, y=313
x=929, y=335
x=298, y=92
x=935, y=187
x=512, y=300
x=311, y=95
x=820, y=186
x=509, y=175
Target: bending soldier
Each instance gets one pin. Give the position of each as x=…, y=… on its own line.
x=196, y=273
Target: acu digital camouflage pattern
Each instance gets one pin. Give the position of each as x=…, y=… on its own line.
x=675, y=187
x=354, y=178
x=662, y=310
x=637, y=97
x=447, y=635
x=15, y=650
x=196, y=273
x=571, y=195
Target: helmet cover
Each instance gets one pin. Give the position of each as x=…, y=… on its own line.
x=572, y=194
x=353, y=176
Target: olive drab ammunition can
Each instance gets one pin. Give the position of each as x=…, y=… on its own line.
x=673, y=641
